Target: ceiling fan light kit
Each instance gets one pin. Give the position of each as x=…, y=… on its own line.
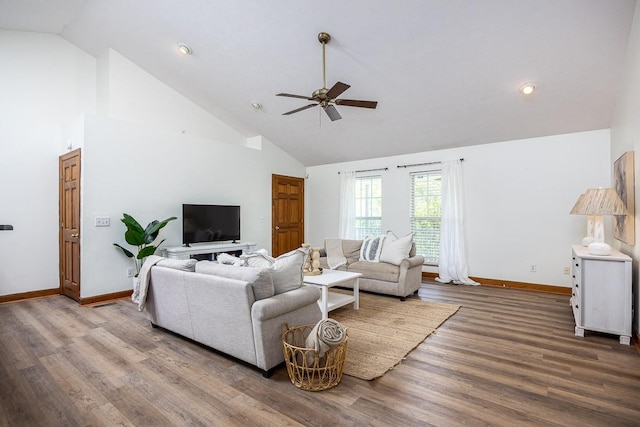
x=327, y=98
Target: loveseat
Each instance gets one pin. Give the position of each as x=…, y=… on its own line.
x=399, y=276
x=237, y=310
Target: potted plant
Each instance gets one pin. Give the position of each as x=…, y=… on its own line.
x=142, y=238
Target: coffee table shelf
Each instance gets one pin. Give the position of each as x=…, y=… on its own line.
x=332, y=300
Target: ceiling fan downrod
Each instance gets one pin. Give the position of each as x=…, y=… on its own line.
x=324, y=38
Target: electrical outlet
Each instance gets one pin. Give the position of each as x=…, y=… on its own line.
x=102, y=221
x=566, y=270
x=129, y=272
x=532, y=268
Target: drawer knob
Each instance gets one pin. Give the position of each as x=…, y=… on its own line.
x=577, y=285
x=577, y=306
x=577, y=265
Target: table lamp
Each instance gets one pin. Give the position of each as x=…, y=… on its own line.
x=596, y=202
x=578, y=209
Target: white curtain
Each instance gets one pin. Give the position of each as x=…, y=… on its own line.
x=347, y=224
x=452, y=266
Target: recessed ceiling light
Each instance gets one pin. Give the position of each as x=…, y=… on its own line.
x=185, y=49
x=527, y=88
x=256, y=105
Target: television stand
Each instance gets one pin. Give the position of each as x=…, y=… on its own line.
x=185, y=252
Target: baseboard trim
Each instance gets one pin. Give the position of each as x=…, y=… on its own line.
x=56, y=291
x=497, y=283
x=29, y=295
x=105, y=297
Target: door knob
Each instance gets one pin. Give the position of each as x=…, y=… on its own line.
x=277, y=227
x=75, y=234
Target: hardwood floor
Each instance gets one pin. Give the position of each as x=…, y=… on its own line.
x=507, y=358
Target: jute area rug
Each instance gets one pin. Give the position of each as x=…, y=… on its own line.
x=384, y=330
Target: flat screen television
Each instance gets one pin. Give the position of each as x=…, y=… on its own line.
x=210, y=223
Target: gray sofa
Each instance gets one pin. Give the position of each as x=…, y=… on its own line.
x=227, y=314
x=381, y=277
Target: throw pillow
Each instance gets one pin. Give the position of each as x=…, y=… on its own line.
x=396, y=249
x=257, y=260
x=225, y=258
x=371, y=248
x=287, y=270
x=260, y=279
x=179, y=264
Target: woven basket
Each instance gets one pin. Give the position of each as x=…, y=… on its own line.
x=306, y=369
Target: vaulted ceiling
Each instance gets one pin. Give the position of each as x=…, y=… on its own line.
x=444, y=73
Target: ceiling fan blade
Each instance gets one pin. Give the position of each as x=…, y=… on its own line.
x=332, y=113
x=294, y=96
x=356, y=103
x=337, y=90
x=299, y=109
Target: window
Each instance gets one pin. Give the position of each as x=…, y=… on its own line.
x=368, y=206
x=426, y=192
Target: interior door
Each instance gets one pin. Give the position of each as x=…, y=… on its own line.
x=69, y=205
x=287, y=214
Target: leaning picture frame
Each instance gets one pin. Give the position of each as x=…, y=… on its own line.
x=624, y=184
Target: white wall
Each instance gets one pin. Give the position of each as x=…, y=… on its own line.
x=149, y=173
x=147, y=152
x=625, y=136
x=155, y=151
x=518, y=195
x=45, y=82
x=129, y=93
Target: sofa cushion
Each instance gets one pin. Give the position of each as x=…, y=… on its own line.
x=395, y=249
x=287, y=271
x=376, y=270
x=179, y=264
x=371, y=248
x=259, y=278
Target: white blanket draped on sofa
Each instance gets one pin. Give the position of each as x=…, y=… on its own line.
x=452, y=265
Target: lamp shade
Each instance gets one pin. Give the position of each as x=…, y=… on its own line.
x=599, y=201
x=579, y=206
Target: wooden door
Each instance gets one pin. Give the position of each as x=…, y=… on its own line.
x=69, y=202
x=287, y=214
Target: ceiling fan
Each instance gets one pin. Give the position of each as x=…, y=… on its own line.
x=326, y=98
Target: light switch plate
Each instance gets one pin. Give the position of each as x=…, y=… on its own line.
x=102, y=221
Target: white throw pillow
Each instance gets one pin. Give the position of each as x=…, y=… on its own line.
x=286, y=271
x=395, y=249
x=371, y=248
x=257, y=260
x=225, y=258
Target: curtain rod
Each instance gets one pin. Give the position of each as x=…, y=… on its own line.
x=422, y=164
x=369, y=170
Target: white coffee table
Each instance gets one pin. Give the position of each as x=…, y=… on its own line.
x=332, y=300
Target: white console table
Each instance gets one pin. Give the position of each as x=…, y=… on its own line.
x=185, y=252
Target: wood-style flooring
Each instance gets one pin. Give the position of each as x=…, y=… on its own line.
x=507, y=358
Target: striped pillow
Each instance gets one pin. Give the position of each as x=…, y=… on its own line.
x=371, y=248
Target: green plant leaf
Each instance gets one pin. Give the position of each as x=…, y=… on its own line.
x=134, y=238
x=154, y=227
x=146, y=251
x=131, y=223
x=152, y=230
x=124, y=250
